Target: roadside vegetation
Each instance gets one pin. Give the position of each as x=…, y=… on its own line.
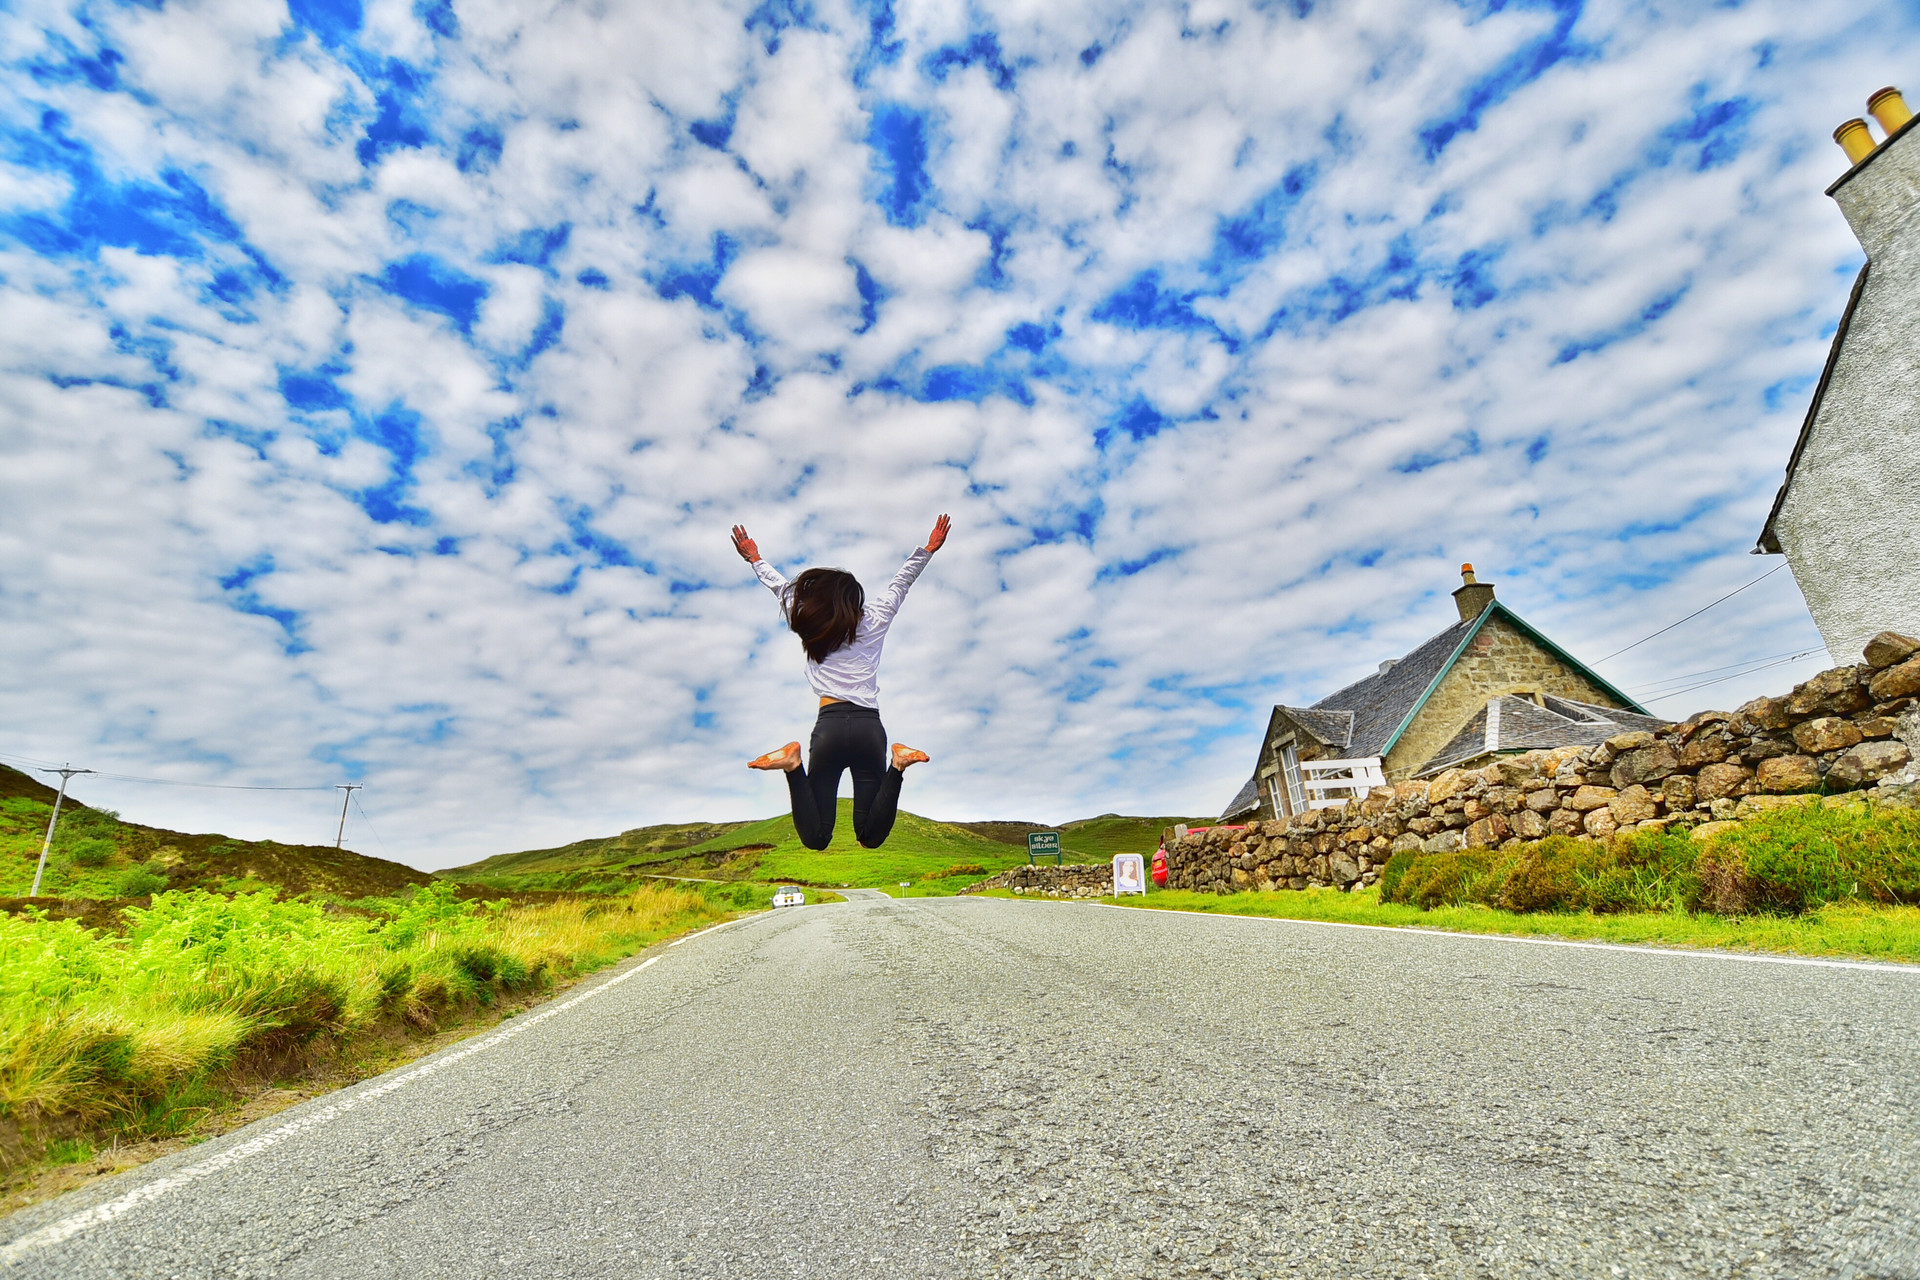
x=1814, y=880
x=97, y=856
x=1784, y=862
x=147, y=1032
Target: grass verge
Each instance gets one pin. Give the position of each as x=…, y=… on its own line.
x=208, y=1002
x=1851, y=930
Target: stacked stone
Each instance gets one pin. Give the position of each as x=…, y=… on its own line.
x=1075, y=880
x=1841, y=731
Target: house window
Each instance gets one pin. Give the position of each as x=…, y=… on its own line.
x=1290, y=770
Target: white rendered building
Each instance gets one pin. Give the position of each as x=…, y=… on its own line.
x=1848, y=514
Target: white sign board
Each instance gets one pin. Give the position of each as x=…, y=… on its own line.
x=1129, y=874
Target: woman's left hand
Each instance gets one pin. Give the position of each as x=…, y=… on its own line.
x=938, y=537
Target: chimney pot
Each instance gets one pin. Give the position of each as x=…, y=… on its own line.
x=1855, y=139
x=1890, y=109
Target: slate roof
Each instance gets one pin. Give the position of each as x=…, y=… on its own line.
x=1335, y=728
x=1527, y=727
x=1381, y=703
x=1245, y=800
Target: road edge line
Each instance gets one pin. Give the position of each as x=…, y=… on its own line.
x=66, y=1228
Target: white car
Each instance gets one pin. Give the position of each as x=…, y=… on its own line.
x=788, y=896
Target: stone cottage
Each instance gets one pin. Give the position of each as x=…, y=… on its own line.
x=1848, y=514
x=1487, y=686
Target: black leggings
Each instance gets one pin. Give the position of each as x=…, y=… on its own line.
x=846, y=737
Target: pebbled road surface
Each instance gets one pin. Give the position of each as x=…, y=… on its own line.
x=965, y=1087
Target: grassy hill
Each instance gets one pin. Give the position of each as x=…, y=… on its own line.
x=934, y=857
x=98, y=856
x=639, y=848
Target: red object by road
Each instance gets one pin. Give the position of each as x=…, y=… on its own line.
x=1160, y=868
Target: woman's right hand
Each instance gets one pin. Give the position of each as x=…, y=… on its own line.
x=749, y=551
x=938, y=538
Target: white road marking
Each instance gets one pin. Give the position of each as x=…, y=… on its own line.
x=1873, y=965
x=712, y=928
x=66, y=1228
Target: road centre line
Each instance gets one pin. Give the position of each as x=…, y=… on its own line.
x=66, y=1228
x=1874, y=966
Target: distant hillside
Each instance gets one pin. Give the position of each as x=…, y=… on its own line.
x=931, y=855
x=96, y=855
x=639, y=847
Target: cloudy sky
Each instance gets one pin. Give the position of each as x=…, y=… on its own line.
x=378, y=381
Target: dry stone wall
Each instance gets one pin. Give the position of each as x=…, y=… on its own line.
x=1846, y=730
x=1075, y=880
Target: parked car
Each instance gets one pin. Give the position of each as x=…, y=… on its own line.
x=788, y=895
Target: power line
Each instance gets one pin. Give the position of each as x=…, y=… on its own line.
x=1808, y=653
x=1697, y=612
x=164, y=782
x=371, y=827
x=1689, y=675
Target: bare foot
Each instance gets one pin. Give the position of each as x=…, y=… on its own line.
x=904, y=755
x=786, y=759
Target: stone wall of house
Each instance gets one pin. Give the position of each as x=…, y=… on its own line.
x=1501, y=659
x=1849, y=729
x=1075, y=880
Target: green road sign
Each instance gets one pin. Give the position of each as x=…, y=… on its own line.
x=1043, y=844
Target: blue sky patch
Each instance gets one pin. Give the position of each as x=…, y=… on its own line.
x=871, y=295
x=772, y=18
x=534, y=247
x=1520, y=68
x=698, y=280
x=432, y=285
x=397, y=123
x=336, y=23
x=479, y=149
x=1632, y=328
x=981, y=49
x=898, y=136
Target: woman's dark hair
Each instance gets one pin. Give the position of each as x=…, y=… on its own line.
x=826, y=609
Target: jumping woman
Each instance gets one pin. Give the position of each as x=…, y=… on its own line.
x=842, y=635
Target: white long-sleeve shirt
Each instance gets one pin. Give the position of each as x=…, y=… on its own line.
x=851, y=673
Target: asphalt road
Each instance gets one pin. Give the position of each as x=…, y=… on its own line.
x=959, y=1087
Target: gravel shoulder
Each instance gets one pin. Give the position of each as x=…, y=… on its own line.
x=976, y=1087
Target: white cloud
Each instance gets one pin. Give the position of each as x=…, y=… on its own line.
x=516, y=616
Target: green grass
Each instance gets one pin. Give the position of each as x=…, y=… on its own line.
x=1850, y=929
x=641, y=847
x=927, y=854
x=766, y=852
x=1781, y=862
x=96, y=855
x=131, y=1033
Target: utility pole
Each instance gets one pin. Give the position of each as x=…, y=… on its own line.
x=348, y=787
x=65, y=773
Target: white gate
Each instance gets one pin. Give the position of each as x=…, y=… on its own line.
x=1334, y=782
